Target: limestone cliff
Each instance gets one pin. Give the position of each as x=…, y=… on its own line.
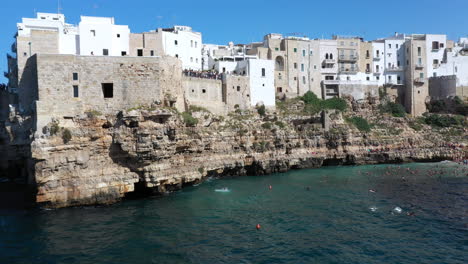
x=98, y=159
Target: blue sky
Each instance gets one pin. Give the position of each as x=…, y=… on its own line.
x=246, y=21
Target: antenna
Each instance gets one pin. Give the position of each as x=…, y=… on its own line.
x=58, y=7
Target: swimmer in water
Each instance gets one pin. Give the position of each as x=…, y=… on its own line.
x=372, y=190
x=308, y=188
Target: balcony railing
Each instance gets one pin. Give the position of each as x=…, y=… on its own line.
x=348, y=70
x=419, y=81
x=419, y=66
x=329, y=61
x=377, y=58
x=377, y=73
x=331, y=82
x=348, y=58
x=394, y=69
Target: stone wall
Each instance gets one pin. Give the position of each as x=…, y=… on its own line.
x=358, y=91
x=135, y=81
x=204, y=92
x=442, y=87
x=237, y=92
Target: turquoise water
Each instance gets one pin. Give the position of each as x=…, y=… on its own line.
x=335, y=220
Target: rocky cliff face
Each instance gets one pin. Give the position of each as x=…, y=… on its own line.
x=153, y=151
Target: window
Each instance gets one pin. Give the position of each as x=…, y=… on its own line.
x=276, y=49
x=303, y=79
x=203, y=90
x=303, y=53
x=25, y=54
x=295, y=65
x=434, y=74
x=295, y=49
x=124, y=53
x=279, y=89
x=389, y=46
x=175, y=42
x=191, y=43
x=326, y=56
x=177, y=55
x=295, y=78
x=93, y=32
x=108, y=90
x=368, y=78
x=435, y=62
x=421, y=75
x=311, y=53
x=419, y=61
x=238, y=88
x=397, y=46
x=191, y=59
x=419, y=51
x=398, y=63
x=152, y=52
x=139, y=52
x=389, y=78
x=196, y=60
x=328, y=77
x=435, y=45
x=302, y=66
x=263, y=72
x=118, y=35
x=378, y=78
x=75, y=76
x=377, y=53
x=398, y=79
x=196, y=44
x=75, y=91
x=441, y=45
x=315, y=67
x=105, y=52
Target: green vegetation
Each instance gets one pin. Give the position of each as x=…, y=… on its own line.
x=54, y=129
x=280, y=124
x=417, y=125
x=314, y=105
x=360, y=123
x=382, y=92
x=195, y=108
x=437, y=106
x=189, y=120
x=261, y=110
x=436, y=120
x=66, y=135
x=93, y=114
x=201, y=170
x=267, y=125
x=396, y=110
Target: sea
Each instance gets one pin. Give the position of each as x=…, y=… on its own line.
x=405, y=213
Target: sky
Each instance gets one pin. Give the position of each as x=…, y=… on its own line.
x=244, y=21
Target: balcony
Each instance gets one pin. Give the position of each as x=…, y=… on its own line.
x=348, y=70
x=419, y=81
x=329, y=70
x=377, y=73
x=394, y=69
x=331, y=82
x=419, y=66
x=348, y=58
x=329, y=61
x=377, y=58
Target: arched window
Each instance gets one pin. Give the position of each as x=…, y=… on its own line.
x=326, y=56
x=279, y=64
x=331, y=56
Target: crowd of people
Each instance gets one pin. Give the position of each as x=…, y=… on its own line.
x=203, y=74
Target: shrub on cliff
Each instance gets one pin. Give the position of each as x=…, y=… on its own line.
x=266, y=125
x=396, y=110
x=189, y=120
x=313, y=104
x=261, y=110
x=66, y=135
x=360, y=123
x=444, y=120
x=54, y=129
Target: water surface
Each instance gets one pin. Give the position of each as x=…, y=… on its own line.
x=325, y=215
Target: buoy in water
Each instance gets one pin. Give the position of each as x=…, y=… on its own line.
x=258, y=227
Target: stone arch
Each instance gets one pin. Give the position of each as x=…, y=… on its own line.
x=279, y=63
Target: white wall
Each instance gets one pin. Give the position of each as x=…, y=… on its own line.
x=188, y=48
x=456, y=65
x=262, y=88
x=105, y=36
x=378, y=49
x=432, y=55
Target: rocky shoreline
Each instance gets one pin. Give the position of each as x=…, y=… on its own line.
x=151, y=151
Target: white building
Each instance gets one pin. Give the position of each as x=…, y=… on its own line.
x=262, y=80
x=183, y=43
x=394, y=60
x=101, y=37
x=456, y=64
x=67, y=34
x=378, y=58
x=435, y=50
